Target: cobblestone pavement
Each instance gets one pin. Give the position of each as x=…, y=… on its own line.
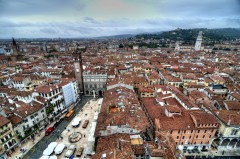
x=35, y=152
x=87, y=113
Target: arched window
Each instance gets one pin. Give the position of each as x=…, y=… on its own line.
x=5, y=146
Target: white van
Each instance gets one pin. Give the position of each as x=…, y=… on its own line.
x=76, y=122
x=49, y=150
x=59, y=149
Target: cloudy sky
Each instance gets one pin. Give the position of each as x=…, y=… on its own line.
x=92, y=18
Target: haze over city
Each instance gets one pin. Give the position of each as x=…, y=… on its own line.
x=84, y=18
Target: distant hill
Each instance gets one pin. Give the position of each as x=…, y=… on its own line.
x=190, y=35
x=121, y=36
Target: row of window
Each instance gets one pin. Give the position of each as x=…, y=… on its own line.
x=26, y=97
x=94, y=86
x=205, y=125
x=183, y=137
x=17, y=82
x=193, y=143
x=143, y=94
x=6, y=138
x=94, y=80
x=185, y=131
x=50, y=93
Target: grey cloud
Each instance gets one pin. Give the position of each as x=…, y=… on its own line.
x=111, y=27
x=39, y=7
x=169, y=14
x=202, y=8
x=49, y=31
x=90, y=20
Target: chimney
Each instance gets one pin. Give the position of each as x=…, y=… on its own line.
x=118, y=144
x=229, y=121
x=159, y=146
x=26, y=112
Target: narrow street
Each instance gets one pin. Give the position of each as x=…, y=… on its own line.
x=37, y=151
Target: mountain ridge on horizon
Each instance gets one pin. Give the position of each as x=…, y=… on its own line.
x=122, y=36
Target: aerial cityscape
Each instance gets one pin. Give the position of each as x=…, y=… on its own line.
x=118, y=79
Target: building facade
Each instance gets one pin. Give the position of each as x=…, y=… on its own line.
x=94, y=83
x=8, y=138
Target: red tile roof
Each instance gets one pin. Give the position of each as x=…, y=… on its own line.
x=3, y=121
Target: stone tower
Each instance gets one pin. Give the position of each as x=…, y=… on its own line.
x=15, y=51
x=177, y=47
x=198, y=41
x=15, y=47
x=78, y=69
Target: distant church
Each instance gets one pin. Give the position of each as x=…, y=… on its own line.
x=189, y=48
x=198, y=42
x=16, y=55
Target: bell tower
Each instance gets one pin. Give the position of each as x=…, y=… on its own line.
x=78, y=69
x=198, y=41
x=177, y=47
x=14, y=47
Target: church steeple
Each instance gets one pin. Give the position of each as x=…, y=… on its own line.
x=14, y=47
x=14, y=42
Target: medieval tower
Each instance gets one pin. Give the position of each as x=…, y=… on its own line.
x=198, y=41
x=78, y=69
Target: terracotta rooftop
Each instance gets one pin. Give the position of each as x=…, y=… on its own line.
x=173, y=109
x=200, y=117
x=230, y=117
x=45, y=89
x=15, y=119
x=3, y=121
x=116, y=146
x=232, y=105
x=25, y=110
x=121, y=107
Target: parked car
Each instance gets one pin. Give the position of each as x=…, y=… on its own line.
x=85, y=124
x=79, y=152
x=59, y=149
x=76, y=122
x=49, y=150
x=70, y=151
x=48, y=131
x=58, y=122
x=44, y=157
x=52, y=157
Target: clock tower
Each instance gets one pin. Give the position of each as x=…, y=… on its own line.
x=78, y=69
